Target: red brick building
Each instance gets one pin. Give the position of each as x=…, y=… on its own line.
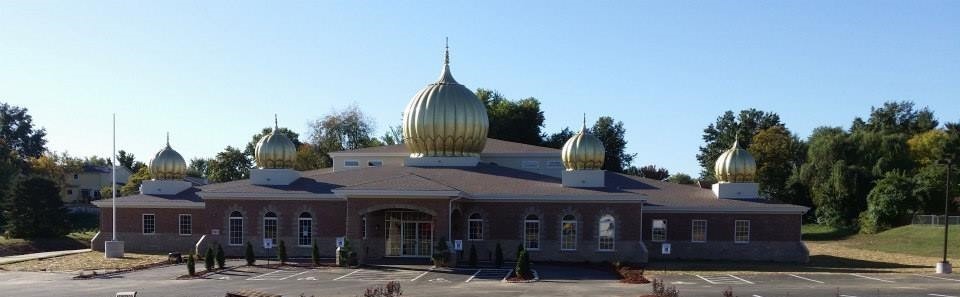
x=449, y=182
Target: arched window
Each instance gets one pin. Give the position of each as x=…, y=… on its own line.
x=270, y=227
x=606, y=232
x=568, y=233
x=235, y=228
x=305, y=232
x=531, y=232
x=475, y=227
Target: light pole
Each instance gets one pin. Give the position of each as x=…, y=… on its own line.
x=944, y=266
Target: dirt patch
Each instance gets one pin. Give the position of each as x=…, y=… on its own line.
x=89, y=261
x=17, y=246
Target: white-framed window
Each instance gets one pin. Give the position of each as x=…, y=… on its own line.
x=475, y=227
x=363, y=227
x=185, y=224
x=235, y=228
x=531, y=232
x=554, y=164
x=374, y=163
x=149, y=223
x=270, y=227
x=530, y=164
x=568, y=233
x=607, y=235
x=741, y=231
x=351, y=163
x=698, y=231
x=305, y=232
x=659, y=231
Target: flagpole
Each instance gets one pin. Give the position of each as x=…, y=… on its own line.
x=113, y=160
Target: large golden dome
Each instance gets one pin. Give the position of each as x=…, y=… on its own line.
x=168, y=164
x=583, y=151
x=735, y=165
x=445, y=119
x=275, y=150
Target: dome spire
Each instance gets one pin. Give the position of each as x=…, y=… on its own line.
x=168, y=138
x=446, y=51
x=584, y=127
x=445, y=77
x=276, y=125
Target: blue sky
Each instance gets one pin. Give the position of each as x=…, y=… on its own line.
x=213, y=73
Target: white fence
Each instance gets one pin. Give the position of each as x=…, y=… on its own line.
x=934, y=220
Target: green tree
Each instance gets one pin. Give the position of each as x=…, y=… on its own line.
x=929, y=186
x=308, y=158
x=250, y=150
x=393, y=136
x=517, y=121
x=719, y=136
x=523, y=266
x=34, y=209
x=191, y=265
x=473, y=261
x=498, y=256
x=282, y=253
x=197, y=167
x=342, y=130
x=888, y=203
x=928, y=147
x=650, y=171
x=774, y=149
x=682, y=178
x=230, y=164
x=248, y=255
x=557, y=140
x=208, y=259
x=125, y=159
x=315, y=254
x=132, y=187
x=897, y=117
x=221, y=257
x=612, y=134
x=18, y=136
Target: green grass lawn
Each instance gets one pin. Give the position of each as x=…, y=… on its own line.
x=72, y=241
x=915, y=240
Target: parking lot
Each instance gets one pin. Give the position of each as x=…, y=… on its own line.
x=817, y=284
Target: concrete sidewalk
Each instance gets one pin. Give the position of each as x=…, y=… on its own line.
x=26, y=257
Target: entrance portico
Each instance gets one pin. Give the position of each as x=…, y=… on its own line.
x=380, y=229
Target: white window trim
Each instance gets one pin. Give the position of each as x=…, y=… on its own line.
x=351, y=166
x=614, y=241
x=371, y=161
x=364, y=228
x=576, y=236
x=180, y=224
x=735, y=231
x=653, y=228
x=143, y=223
x=693, y=226
x=300, y=232
x=277, y=223
x=470, y=222
x=230, y=231
x=539, y=243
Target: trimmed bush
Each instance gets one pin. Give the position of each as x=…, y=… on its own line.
x=248, y=254
x=519, y=250
x=498, y=254
x=208, y=259
x=523, y=266
x=282, y=253
x=191, y=265
x=315, y=254
x=473, y=256
x=441, y=253
x=221, y=257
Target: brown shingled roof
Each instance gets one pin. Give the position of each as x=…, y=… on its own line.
x=493, y=146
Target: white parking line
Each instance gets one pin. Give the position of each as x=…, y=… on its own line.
x=302, y=272
x=474, y=275
x=346, y=275
x=724, y=279
x=804, y=278
x=841, y=295
x=940, y=278
x=757, y=296
x=505, y=277
x=262, y=275
x=939, y=295
x=873, y=278
x=743, y=280
x=422, y=274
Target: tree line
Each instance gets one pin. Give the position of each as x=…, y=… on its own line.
x=873, y=176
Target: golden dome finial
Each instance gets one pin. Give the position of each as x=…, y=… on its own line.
x=735, y=165
x=167, y=164
x=446, y=51
x=276, y=125
x=168, y=138
x=583, y=151
x=275, y=150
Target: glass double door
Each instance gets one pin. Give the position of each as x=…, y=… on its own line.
x=409, y=234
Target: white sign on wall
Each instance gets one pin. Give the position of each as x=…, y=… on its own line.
x=267, y=243
x=215, y=232
x=340, y=241
x=458, y=245
x=665, y=249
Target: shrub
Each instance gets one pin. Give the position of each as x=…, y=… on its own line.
x=519, y=249
x=392, y=289
x=33, y=208
x=221, y=257
x=660, y=291
x=728, y=292
x=498, y=260
x=248, y=254
x=473, y=256
x=315, y=254
x=208, y=259
x=282, y=253
x=440, y=253
x=191, y=265
x=346, y=254
x=523, y=266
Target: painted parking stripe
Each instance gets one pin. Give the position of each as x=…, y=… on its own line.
x=302, y=272
x=873, y=278
x=474, y=275
x=743, y=280
x=422, y=274
x=346, y=275
x=804, y=278
x=723, y=279
x=489, y=275
x=263, y=275
x=841, y=295
x=940, y=295
x=757, y=296
x=937, y=277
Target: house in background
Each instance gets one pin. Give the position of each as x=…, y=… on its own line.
x=84, y=186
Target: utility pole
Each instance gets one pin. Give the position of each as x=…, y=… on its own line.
x=944, y=266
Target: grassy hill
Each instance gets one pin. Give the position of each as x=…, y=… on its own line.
x=917, y=240
x=17, y=246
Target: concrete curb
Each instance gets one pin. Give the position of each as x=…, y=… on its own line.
x=37, y=256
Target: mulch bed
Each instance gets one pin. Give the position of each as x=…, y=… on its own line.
x=632, y=275
x=94, y=274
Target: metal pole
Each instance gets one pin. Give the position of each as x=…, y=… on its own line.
x=113, y=160
x=946, y=212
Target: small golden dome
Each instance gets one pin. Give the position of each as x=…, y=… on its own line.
x=168, y=164
x=735, y=165
x=275, y=150
x=583, y=151
x=445, y=119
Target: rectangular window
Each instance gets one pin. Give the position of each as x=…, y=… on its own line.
x=236, y=230
x=530, y=164
x=531, y=239
x=659, y=232
x=607, y=234
x=270, y=229
x=306, y=232
x=476, y=229
x=363, y=228
x=149, y=224
x=374, y=163
x=351, y=163
x=186, y=224
x=568, y=236
x=554, y=164
x=699, y=231
x=741, y=233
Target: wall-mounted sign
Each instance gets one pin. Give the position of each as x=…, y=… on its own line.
x=267, y=243
x=665, y=249
x=215, y=232
x=458, y=245
x=341, y=241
